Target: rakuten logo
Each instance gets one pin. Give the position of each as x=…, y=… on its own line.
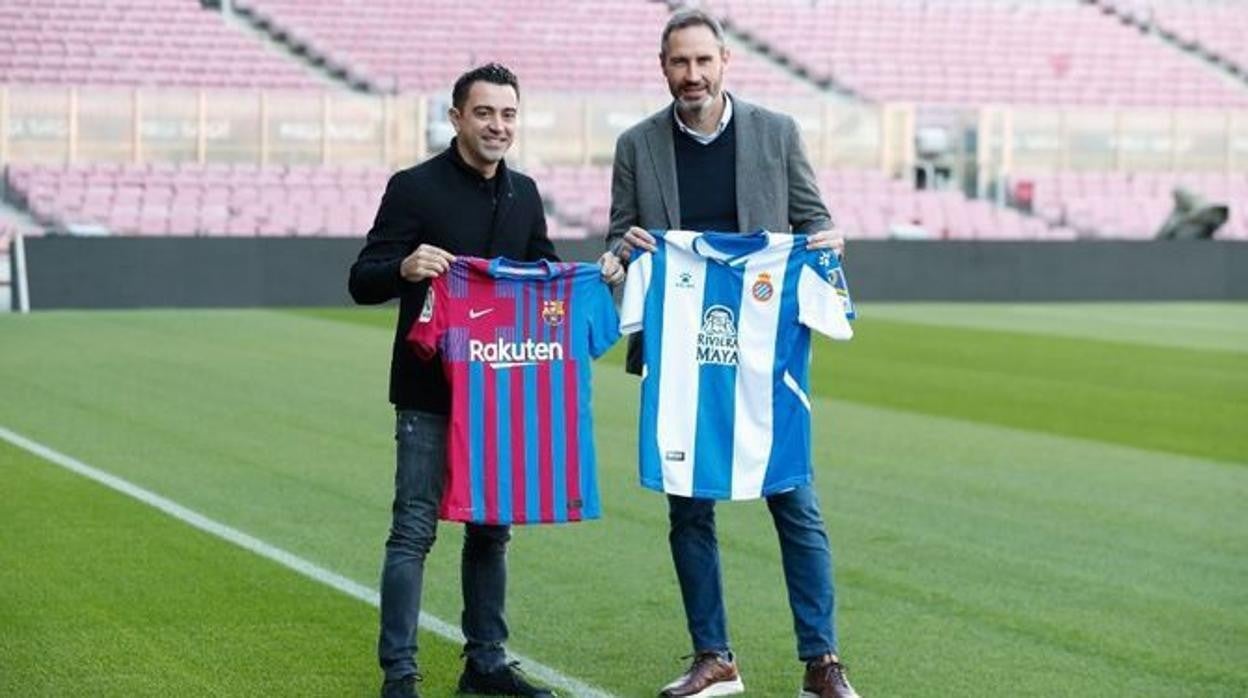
x=511, y=353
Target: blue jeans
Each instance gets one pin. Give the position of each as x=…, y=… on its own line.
x=419, y=478
x=807, y=559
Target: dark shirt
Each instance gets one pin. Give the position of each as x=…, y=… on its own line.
x=706, y=182
x=445, y=203
x=706, y=177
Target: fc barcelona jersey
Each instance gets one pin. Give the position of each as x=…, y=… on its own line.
x=517, y=340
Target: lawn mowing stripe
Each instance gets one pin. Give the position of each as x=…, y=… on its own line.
x=308, y=569
x=1115, y=375
x=1216, y=326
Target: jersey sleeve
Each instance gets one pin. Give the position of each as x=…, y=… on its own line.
x=432, y=321
x=604, y=322
x=823, y=302
x=635, y=289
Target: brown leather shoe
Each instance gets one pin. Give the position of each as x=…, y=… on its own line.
x=710, y=675
x=825, y=678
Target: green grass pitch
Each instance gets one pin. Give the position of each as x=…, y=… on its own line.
x=1034, y=500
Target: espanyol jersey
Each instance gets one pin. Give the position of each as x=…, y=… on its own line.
x=516, y=341
x=725, y=412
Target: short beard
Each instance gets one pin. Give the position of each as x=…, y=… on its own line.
x=490, y=155
x=698, y=108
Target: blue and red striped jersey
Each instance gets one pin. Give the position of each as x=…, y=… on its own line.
x=517, y=340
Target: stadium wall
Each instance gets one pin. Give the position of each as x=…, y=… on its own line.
x=77, y=272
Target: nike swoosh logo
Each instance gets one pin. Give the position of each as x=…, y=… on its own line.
x=474, y=314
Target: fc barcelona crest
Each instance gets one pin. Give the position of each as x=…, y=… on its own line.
x=553, y=312
x=762, y=288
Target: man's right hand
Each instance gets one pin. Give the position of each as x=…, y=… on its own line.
x=635, y=238
x=425, y=263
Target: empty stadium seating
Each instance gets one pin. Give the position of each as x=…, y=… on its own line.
x=161, y=199
x=947, y=57
x=576, y=45
x=580, y=197
x=868, y=205
x=865, y=203
x=1216, y=28
x=229, y=200
x=311, y=201
x=1122, y=205
x=974, y=52
x=170, y=43
x=287, y=201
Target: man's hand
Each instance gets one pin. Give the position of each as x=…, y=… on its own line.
x=612, y=269
x=425, y=263
x=635, y=238
x=825, y=239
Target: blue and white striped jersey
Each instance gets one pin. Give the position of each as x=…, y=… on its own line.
x=725, y=412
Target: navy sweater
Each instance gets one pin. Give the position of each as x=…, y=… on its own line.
x=706, y=176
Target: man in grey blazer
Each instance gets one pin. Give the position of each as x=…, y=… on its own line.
x=714, y=162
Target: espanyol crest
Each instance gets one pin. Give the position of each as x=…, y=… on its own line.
x=762, y=289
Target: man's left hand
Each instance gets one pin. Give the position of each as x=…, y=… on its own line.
x=827, y=239
x=612, y=270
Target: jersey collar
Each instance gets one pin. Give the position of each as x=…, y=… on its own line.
x=732, y=249
x=504, y=268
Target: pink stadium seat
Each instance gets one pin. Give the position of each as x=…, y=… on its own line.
x=423, y=46
x=1214, y=27
x=1131, y=206
x=217, y=199
x=128, y=42
x=997, y=51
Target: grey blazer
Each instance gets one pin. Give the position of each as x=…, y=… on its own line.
x=776, y=187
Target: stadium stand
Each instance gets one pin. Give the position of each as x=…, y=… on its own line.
x=1214, y=28
x=168, y=43
x=869, y=205
x=166, y=199
x=220, y=199
x=1123, y=205
x=291, y=200
x=579, y=197
x=976, y=52
x=576, y=45
x=866, y=203
x=1049, y=53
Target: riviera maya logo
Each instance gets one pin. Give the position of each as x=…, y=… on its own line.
x=717, y=339
x=762, y=289
x=553, y=312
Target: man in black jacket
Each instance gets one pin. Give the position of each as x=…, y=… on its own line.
x=462, y=201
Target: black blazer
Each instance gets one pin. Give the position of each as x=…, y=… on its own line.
x=445, y=203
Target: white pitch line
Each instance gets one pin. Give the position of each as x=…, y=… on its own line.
x=433, y=624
